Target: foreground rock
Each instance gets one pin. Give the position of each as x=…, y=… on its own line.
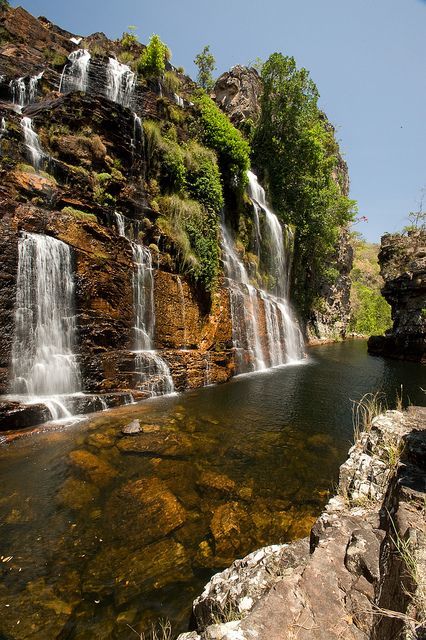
x=402, y=261
x=361, y=575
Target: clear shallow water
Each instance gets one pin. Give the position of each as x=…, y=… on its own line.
x=108, y=531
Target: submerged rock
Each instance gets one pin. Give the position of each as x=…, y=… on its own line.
x=147, y=509
x=132, y=428
x=92, y=467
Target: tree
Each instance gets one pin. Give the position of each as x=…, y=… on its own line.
x=417, y=218
x=152, y=63
x=206, y=64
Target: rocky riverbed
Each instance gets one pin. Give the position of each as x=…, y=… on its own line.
x=362, y=572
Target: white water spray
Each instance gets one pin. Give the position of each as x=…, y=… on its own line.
x=153, y=373
x=44, y=367
x=75, y=75
x=120, y=82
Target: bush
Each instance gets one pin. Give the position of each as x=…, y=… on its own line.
x=219, y=134
x=152, y=63
x=129, y=38
x=171, y=83
x=203, y=177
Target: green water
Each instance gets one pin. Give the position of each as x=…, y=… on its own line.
x=100, y=531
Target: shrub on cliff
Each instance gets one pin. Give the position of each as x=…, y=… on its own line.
x=218, y=133
x=193, y=230
x=294, y=145
x=152, y=63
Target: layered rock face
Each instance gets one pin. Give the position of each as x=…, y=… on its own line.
x=92, y=163
x=238, y=93
x=402, y=260
x=360, y=576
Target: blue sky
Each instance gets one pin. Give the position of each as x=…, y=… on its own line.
x=367, y=57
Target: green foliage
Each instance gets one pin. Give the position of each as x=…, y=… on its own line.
x=370, y=313
x=203, y=177
x=129, y=38
x=257, y=64
x=194, y=231
x=295, y=146
x=219, y=134
x=171, y=83
x=206, y=63
x=54, y=58
x=189, y=168
x=152, y=63
x=4, y=4
x=100, y=189
x=372, y=317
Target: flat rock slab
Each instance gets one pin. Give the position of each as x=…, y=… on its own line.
x=148, y=511
x=157, y=443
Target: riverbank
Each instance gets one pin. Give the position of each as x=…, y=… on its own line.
x=362, y=572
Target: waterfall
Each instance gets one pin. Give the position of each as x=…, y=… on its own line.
x=43, y=362
x=179, y=100
x=244, y=307
x=120, y=82
x=21, y=94
x=268, y=312
x=137, y=139
x=153, y=373
x=75, y=73
x=277, y=252
x=35, y=152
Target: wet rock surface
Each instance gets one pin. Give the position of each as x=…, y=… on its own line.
x=402, y=260
x=351, y=579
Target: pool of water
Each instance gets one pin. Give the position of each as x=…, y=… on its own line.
x=102, y=533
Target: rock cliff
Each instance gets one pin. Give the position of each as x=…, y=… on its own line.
x=362, y=574
x=402, y=260
x=93, y=164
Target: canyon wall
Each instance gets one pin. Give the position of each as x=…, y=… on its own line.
x=402, y=260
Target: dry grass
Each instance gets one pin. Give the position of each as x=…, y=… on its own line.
x=364, y=410
x=162, y=630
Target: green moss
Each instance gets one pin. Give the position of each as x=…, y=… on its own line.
x=80, y=215
x=25, y=168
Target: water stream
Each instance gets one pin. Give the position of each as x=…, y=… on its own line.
x=36, y=154
x=103, y=530
x=153, y=373
x=24, y=91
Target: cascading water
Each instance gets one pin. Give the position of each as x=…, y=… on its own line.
x=23, y=94
x=153, y=372
x=75, y=75
x=35, y=152
x=250, y=307
x=44, y=367
x=137, y=139
x=120, y=82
